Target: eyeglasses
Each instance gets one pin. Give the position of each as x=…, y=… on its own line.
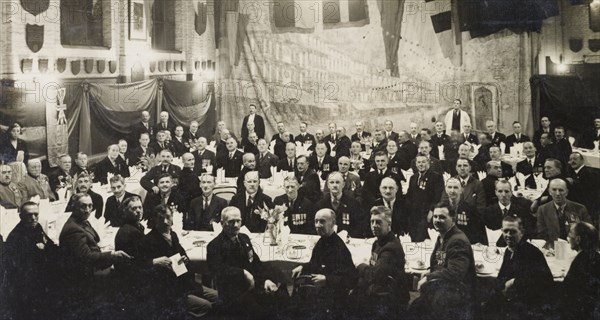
x=85, y=205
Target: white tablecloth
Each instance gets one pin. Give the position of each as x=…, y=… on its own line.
x=591, y=157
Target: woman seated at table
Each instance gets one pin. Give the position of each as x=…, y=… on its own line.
x=11, y=147
x=167, y=293
x=581, y=287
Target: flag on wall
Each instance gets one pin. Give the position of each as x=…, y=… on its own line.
x=345, y=13
x=293, y=15
x=444, y=18
x=391, y=27
x=200, y=17
x=303, y=15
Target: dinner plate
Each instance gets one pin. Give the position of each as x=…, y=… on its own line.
x=416, y=266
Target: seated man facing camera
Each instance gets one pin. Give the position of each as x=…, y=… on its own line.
x=244, y=284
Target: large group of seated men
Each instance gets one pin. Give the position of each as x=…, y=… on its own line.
x=459, y=186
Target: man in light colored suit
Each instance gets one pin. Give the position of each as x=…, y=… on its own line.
x=556, y=217
x=456, y=118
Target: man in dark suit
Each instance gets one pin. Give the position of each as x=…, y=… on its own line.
x=81, y=165
x=381, y=287
x=379, y=142
x=472, y=190
x=257, y=120
x=308, y=180
x=562, y=146
x=244, y=284
x=584, y=185
x=467, y=136
x=524, y=281
x=468, y=217
x=389, y=131
x=188, y=185
x=322, y=162
x=79, y=242
x=111, y=164
x=495, y=137
x=448, y=291
x=60, y=177
x=113, y=203
x=191, y=135
x=413, y=133
x=516, y=137
x=451, y=148
x=164, y=124
x=373, y=179
x=546, y=149
x=330, y=270
x=352, y=184
x=178, y=143
x=532, y=164
x=300, y=211
x=205, y=209
x=288, y=163
x=483, y=154
x=434, y=163
x=424, y=192
x=142, y=151
x=161, y=143
x=360, y=134
x=496, y=155
x=556, y=216
x=148, y=181
x=438, y=139
x=143, y=126
x=545, y=127
x=406, y=148
x=83, y=184
x=248, y=164
x=251, y=200
x=265, y=160
x=204, y=158
x=508, y=205
x=305, y=138
x=281, y=139
x=590, y=136
x=332, y=137
x=27, y=260
x=251, y=143
x=348, y=212
x=389, y=199
x=166, y=196
x=165, y=292
x=493, y=174
x=342, y=144
x=231, y=161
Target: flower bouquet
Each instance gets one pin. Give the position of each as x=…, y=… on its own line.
x=275, y=220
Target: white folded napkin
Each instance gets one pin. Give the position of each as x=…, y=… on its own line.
x=217, y=227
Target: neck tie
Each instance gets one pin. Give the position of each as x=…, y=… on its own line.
x=249, y=202
x=463, y=183
x=291, y=165
x=230, y=156
x=165, y=169
x=205, y=203
x=164, y=199
x=291, y=203
x=335, y=203
x=360, y=136
x=380, y=172
x=504, y=212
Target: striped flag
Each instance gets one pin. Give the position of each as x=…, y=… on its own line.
x=444, y=18
x=305, y=15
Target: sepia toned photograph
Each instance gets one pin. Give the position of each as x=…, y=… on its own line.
x=300, y=159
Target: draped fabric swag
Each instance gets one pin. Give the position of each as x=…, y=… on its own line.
x=100, y=114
